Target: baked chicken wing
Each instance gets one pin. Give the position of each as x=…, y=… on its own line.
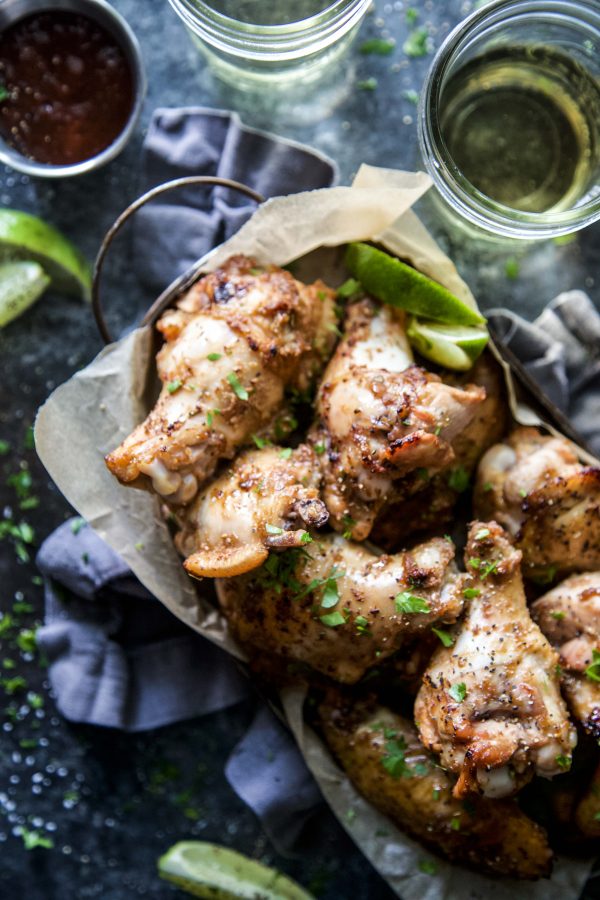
x=340, y=608
x=536, y=487
x=380, y=418
x=235, y=342
x=266, y=500
x=490, y=704
x=383, y=757
x=569, y=616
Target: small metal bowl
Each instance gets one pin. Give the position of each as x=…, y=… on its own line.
x=12, y=11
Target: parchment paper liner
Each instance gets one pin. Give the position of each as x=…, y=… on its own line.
x=92, y=412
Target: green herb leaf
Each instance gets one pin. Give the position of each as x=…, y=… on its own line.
x=4, y=448
x=210, y=415
x=393, y=761
x=33, y=839
x=332, y=620
x=213, y=357
x=446, y=639
x=512, y=267
x=319, y=449
x=563, y=762
x=458, y=691
x=455, y=823
x=174, y=386
x=4, y=93
x=593, y=670
x=273, y=529
x=348, y=523
x=362, y=625
x=470, y=593
x=240, y=392
x=378, y=46
x=428, y=867
x=411, y=96
x=488, y=486
x=546, y=577
x=410, y=603
x=348, y=288
x=306, y=538
x=482, y=534
x=367, y=84
x=260, y=442
x=458, y=479
x=557, y=614
x=416, y=43
x=77, y=524
x=411, y=15
x=285, y=453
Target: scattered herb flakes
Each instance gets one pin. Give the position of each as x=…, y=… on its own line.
x=416, y=43
x=29, y=503
x=350, y=816
x=26, y=640
x=21, y=482
x=561, y=239
x=4, y=93
x=285, y=453
x=240, y=392
x=458, y=691
x=4, y=448
x=558, y=670
x=333, y=620
x=377, y=46
x=6, y=622
x=482, y=534
x=522, y=492
x=348, y=288
x=35, y=701
x=362, y=625
x=77, y=524
x=273, y=529
x=428, y=867
x=470, y=593
x=210, y=416
x=488, y=486
x=455, y=823
x=411, y=15
x=446, y=638
x=409, y=603
x=394, y=761
x=475, y=562
x=8, y=664
x=511, y=268
x=320, y=449
x=593, y=670
x=367, y=84
x=85, y=558
x=28, y=743
x=29, y=439
x=488, y=568
x=458, y=479
x=12, y=685
x=411, y=96
x=563, y=762
x=330, y=591
x=21, y=607
x=557, y=614
x=545, y=577
x=348, y=523
x=139, y=546
x=37, y=580
x=213, y=357
x=33, y=839
x=436, y=793
x=306, y=538
x=174, y=386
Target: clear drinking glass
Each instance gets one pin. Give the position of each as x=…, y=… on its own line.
x=271, y=41
x=509, y=118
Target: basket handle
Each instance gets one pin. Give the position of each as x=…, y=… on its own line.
x=182, y=282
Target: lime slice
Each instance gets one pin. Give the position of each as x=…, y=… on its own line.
x=26, y=237
x=452, y=346
x=21, y=283
x=393, y=282
x=207, y=870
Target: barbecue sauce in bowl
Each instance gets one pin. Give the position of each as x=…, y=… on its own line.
x=66, y=87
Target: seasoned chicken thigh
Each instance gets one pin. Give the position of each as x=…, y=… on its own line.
x=235, y=342
x=569, y=616
x=490, y=704
x=266, y=500
x=382, y=755
x=535, y=486
x=338, y=607
x=379, y=417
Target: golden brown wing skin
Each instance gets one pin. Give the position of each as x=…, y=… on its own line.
x=490, y=704
x=332, y=604
x=383, y=757
x=235, y=342
x=379, y=418
x=267, y=499
x=569, y=616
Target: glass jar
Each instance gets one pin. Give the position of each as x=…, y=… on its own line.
x=537, y=33
x=271, y=40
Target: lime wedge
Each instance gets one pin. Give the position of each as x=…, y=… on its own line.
x=393, y=282
x=26, y=237
x=207, y=870
x=452, y=346
x=21, y=283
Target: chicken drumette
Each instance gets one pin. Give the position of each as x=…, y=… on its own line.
x=266, y=500
x=569, y=616
x=382, y=755
x=536, y=487
x=490, y=704
x=235, y=342
x=381, y=418
x=340, y=608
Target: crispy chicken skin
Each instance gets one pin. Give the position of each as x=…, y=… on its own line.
x=569, y=616
x=383, y=757
x=265, y=500
x=535, y=486
x=490, y=704
x=279, y=608
x=379, y=417
x=235, y=342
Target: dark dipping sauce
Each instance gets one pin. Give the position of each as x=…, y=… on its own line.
x=66, y=87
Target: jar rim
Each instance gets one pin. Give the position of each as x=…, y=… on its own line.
x=454, y=187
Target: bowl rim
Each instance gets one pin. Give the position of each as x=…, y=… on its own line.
x=11, y=12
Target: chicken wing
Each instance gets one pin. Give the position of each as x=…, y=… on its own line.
x=383, y=757
x=340, y=608
x=569, y=616
x=535, y=486
x=235, y=342
x=490, y=704
x=266, y=500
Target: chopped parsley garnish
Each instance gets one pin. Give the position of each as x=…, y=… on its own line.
x=139, y=546
x=557, y=614
x=377, y=46
x=593, y=670
x=21, y=482
x=210, y=415
x=4, y=448
x=488, y=486
x=458, y=479
x=77, y=524
x=511, y=268
x=458, y=691
x=4, y=93
x=26, y=641
x=285, y=453
x=455, y=823
x=482, y=534
x=306, y=538
x=545, y=577
x=411, y=96
x=475, y=562
x=488, y=568
x=522, y=492
x=362, y=625
x=320, y=449
x=470, y=593
x=428, y=867
x=563, y=762
x=256, y=270
x=273, y=529
x=213, y=357
x=33, y=839
x=446, y=639
x=348, y=523
x=240, y=392
x=173, y=386
x=393, y=761
x=348, y=288
x=410, y=603
x=411, y=15
x=367, y=84
x=332, y=620
x=330, y=589
x=416, y=43
x=260, y=442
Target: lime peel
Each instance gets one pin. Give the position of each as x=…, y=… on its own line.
x=394, y=282
x=207, y=870
x=21, y=284
x=452, y=346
